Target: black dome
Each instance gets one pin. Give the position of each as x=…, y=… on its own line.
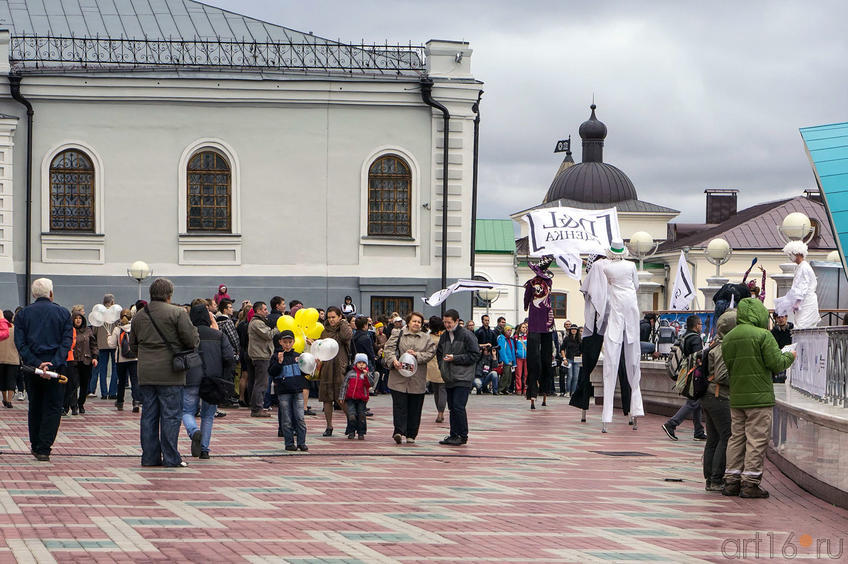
x=591, y=182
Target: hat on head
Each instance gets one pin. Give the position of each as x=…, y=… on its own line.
x=617, y=248
x=360, y=357
x=396, y=319
x=378, y=325
x=287, y=334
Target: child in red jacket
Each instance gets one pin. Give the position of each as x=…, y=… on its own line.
x=354, y=394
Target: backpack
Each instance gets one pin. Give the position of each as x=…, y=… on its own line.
x=665, y=334
x=676, y=359
x=126, y=352
x=693, y=378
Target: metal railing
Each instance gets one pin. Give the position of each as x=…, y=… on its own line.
x=821, y=369
x=28, y=52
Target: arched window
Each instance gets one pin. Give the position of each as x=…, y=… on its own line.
x=209, y=194
x=72, y=192
x=389, y=194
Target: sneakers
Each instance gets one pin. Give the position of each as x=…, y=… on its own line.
x=195, y=443
x=714, y=486
x=669, y=430
x=451, y=441
x=699, y=438
x=20, y=396
x=753, y=491
x=410, y=441
x=730, y=489
x=223, y=414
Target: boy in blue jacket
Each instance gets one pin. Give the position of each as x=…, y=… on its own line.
x=287, y=383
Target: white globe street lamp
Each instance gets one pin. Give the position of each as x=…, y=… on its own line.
x=489, y=295
x=718, y=252
x=796, y=227
x=642, y=246
x=140, y=271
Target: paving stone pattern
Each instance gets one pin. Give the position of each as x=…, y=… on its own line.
x=529, y=486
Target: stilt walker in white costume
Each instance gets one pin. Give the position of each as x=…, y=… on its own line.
x=801, y=299
x=622, y=331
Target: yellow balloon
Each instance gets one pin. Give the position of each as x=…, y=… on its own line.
x=299, y=344
x=298, y=316
x=315, y=331
x=286, y=323
x=310, y=316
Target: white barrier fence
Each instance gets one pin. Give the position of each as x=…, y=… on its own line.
x=821, y=369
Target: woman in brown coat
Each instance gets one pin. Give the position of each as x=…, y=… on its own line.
x=333, y=371
x=408, y=393
x=434, y=375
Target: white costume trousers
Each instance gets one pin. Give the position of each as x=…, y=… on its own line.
x=612, y=356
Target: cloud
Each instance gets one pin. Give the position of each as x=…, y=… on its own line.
x=695, y=95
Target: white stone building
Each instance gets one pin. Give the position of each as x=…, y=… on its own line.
x=223, y=149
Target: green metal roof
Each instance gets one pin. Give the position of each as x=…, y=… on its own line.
x=495, y=236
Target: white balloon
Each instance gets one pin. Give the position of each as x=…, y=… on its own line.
x=113, y=314
x=408, y=365
x=95, y=318
x=325, y=349
x=307, y=363
x=99, y=308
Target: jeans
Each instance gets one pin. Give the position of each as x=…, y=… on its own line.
x=481, y=384
x=160, y=425
x=406, y=413
x=290, y=411
x=191, y=400
x=693, y=407
x=717, y=417
x=573, y=370
x=45, y=411
x=457, y=398
x=127, y=371
x=357, y=422
x=103, y=358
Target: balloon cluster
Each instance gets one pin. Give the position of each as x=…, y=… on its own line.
x=100, y=315
x=304, y=325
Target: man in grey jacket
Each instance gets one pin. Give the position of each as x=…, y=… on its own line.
x=457, y=353
x=159, y=384
x=260, y=347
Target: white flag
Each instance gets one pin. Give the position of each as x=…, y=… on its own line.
x=571, y=264
x=460, y=286
x=571, y=231
x=684, y=288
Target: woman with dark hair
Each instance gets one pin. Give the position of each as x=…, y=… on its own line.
x=408, y=391
x=332, y=372
x=348, y=308
x=216, y=353
x=434, y=375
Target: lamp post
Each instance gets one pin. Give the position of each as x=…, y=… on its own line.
x=488, y=295
x=140, y=271
x=642, y=246
x=718, y=252
x=795, y=227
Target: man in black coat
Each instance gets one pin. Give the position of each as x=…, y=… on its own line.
x=43, y=336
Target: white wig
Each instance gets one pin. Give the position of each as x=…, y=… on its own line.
x=42, y=288
x=793, y=248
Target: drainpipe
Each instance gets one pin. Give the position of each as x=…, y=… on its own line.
x=427, y=96
x=15, y=89
x=476, y=109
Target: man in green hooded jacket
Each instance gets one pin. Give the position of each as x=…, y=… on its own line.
x=752, y=356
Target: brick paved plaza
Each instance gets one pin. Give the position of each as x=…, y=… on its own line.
x=528, y=487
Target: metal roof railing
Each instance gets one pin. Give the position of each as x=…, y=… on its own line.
x=68, y=53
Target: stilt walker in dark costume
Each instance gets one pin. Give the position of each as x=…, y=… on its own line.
x=540, y=348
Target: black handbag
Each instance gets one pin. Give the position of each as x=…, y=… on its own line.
x=183, y=359
x=213, y=390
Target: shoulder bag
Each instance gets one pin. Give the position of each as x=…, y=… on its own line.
x=183, y=359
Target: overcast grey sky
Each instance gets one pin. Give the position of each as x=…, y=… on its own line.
x=695, y=95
